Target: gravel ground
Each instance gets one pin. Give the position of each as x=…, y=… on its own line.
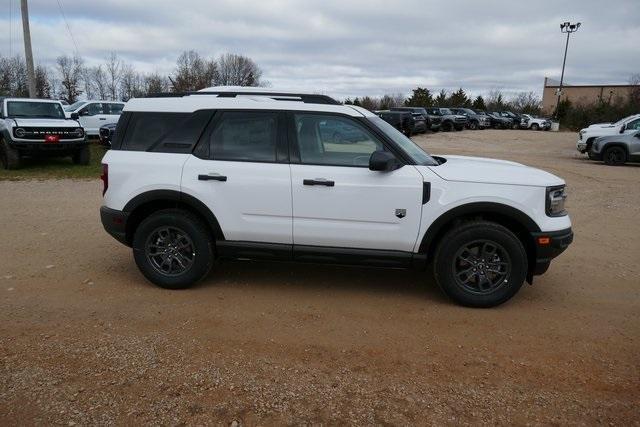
x=84, y=339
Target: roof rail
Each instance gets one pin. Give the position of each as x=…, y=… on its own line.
x=277, y=96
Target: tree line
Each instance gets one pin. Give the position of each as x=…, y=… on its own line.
x=523, y=102
x=115, y=79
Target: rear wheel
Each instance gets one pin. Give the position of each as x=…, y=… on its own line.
x=82, y=156
x=446, y=127
x=173, y=249
x=480, y=264
x=473, y=125
x=615, y=156
x=9, y=156
x=535, y=126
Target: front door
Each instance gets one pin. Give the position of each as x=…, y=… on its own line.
x=90, y=116
x=337, y=201
x=240, y=174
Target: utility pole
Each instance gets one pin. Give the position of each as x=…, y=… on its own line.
x=565, y=27
x=31, y=75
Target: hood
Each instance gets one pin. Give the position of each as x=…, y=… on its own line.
x=601, y=125
x=493, y=171
x=48, y=123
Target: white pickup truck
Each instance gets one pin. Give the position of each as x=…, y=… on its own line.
x=587, y=136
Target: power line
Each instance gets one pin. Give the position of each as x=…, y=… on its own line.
x=10, y=28
x=64, y=17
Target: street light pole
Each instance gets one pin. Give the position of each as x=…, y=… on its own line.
x=31, y=75
x=565, y=27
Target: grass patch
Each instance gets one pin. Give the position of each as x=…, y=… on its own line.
x=57, y=167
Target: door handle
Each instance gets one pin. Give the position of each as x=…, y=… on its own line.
x=102, y=118
x=212, y=177
x=319, y=181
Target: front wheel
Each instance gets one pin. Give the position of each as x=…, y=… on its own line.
x=173, y=249
x=82, y=156
x=535, y=126
x=615, y=156
x=480, y=264
x=473, y=125
x=9, y=156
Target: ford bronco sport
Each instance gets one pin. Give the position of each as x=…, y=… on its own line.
x=232, y=173
x=38, y=127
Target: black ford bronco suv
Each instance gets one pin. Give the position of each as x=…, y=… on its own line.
x=38, y=128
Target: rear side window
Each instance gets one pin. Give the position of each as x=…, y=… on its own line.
x=164, y=132
x=245, y=136
x=113, y=108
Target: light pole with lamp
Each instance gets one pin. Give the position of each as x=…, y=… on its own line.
x=565, y=27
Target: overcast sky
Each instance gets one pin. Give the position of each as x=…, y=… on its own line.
x=349, y=47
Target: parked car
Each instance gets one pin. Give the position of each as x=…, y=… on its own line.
x=586, y=136
x=106, y=134
x=420, y=117
x=401, y=120
x=475, y=120
x=497, y=121
x=515, y=118
x=527, y=121
x=227, y=178
x=618, y=149
x=39, y=128
x=448, y=119
x=94, y=114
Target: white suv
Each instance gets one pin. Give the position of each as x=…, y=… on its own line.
x=231, y=173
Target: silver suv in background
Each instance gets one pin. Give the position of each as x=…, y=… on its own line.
x=616, y=150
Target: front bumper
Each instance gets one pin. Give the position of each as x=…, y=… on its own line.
x=49, y=147
x=548, y=245
x=581, y=146
x=115, y=223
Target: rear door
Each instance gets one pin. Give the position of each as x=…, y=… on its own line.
x=240, y=171
x=337, y=201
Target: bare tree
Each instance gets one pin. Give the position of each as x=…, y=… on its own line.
x=70, y=70
x=238, y=70
x=495, y=100
x=526, y=102
x=132, y=83
x=113, y=67
x=193, y=72
x=155, y=83
x=13, y=77
x=43, y=82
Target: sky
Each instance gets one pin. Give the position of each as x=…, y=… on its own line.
x=348, y=48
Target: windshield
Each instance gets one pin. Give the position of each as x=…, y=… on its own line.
x=434, y=111
x=445, y=111
x=416, y=153
x=74, y=106
x=48, y=110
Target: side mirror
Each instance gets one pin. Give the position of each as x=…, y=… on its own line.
x=623, y=128
x=75, y=116
x=383, y=161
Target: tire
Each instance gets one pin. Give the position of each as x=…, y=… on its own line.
x=163, y=231
x=82, y=156
x=535, y=126
x=446, y=127
x=458, y=128
x=473, y=125
x=500, y=244
x=614, y=156
x=515, y=126
x=9, y=156
x=591, y=155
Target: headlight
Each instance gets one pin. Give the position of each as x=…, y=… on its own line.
x=555, y=200
x=19, y=132
x=79, y=132
x=581, y=134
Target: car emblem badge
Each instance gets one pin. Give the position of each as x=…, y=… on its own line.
x=401, y=213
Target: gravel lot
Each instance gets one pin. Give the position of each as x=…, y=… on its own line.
x=85, y=340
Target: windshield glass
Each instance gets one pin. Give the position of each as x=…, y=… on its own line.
x=48, y=110
x=408, y=146
x=445, y=111
x=74, y=106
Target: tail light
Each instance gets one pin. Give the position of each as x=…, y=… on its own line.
x=105, y=178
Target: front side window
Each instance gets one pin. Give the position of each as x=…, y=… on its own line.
x=92, y=109
x=633, y=125
x=48, y=110
x=245, y=136
x=334, y=141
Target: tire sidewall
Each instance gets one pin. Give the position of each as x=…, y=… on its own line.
x=608, y=161
x=198, y=234
x=453, y=241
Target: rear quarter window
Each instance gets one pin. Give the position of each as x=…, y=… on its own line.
x=164, y=132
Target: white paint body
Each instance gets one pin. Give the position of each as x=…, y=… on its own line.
x=92, y=123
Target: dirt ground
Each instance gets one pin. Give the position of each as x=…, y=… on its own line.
x=84, y=339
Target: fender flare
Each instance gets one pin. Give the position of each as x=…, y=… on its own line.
x=476, y=208
x=179, y=198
